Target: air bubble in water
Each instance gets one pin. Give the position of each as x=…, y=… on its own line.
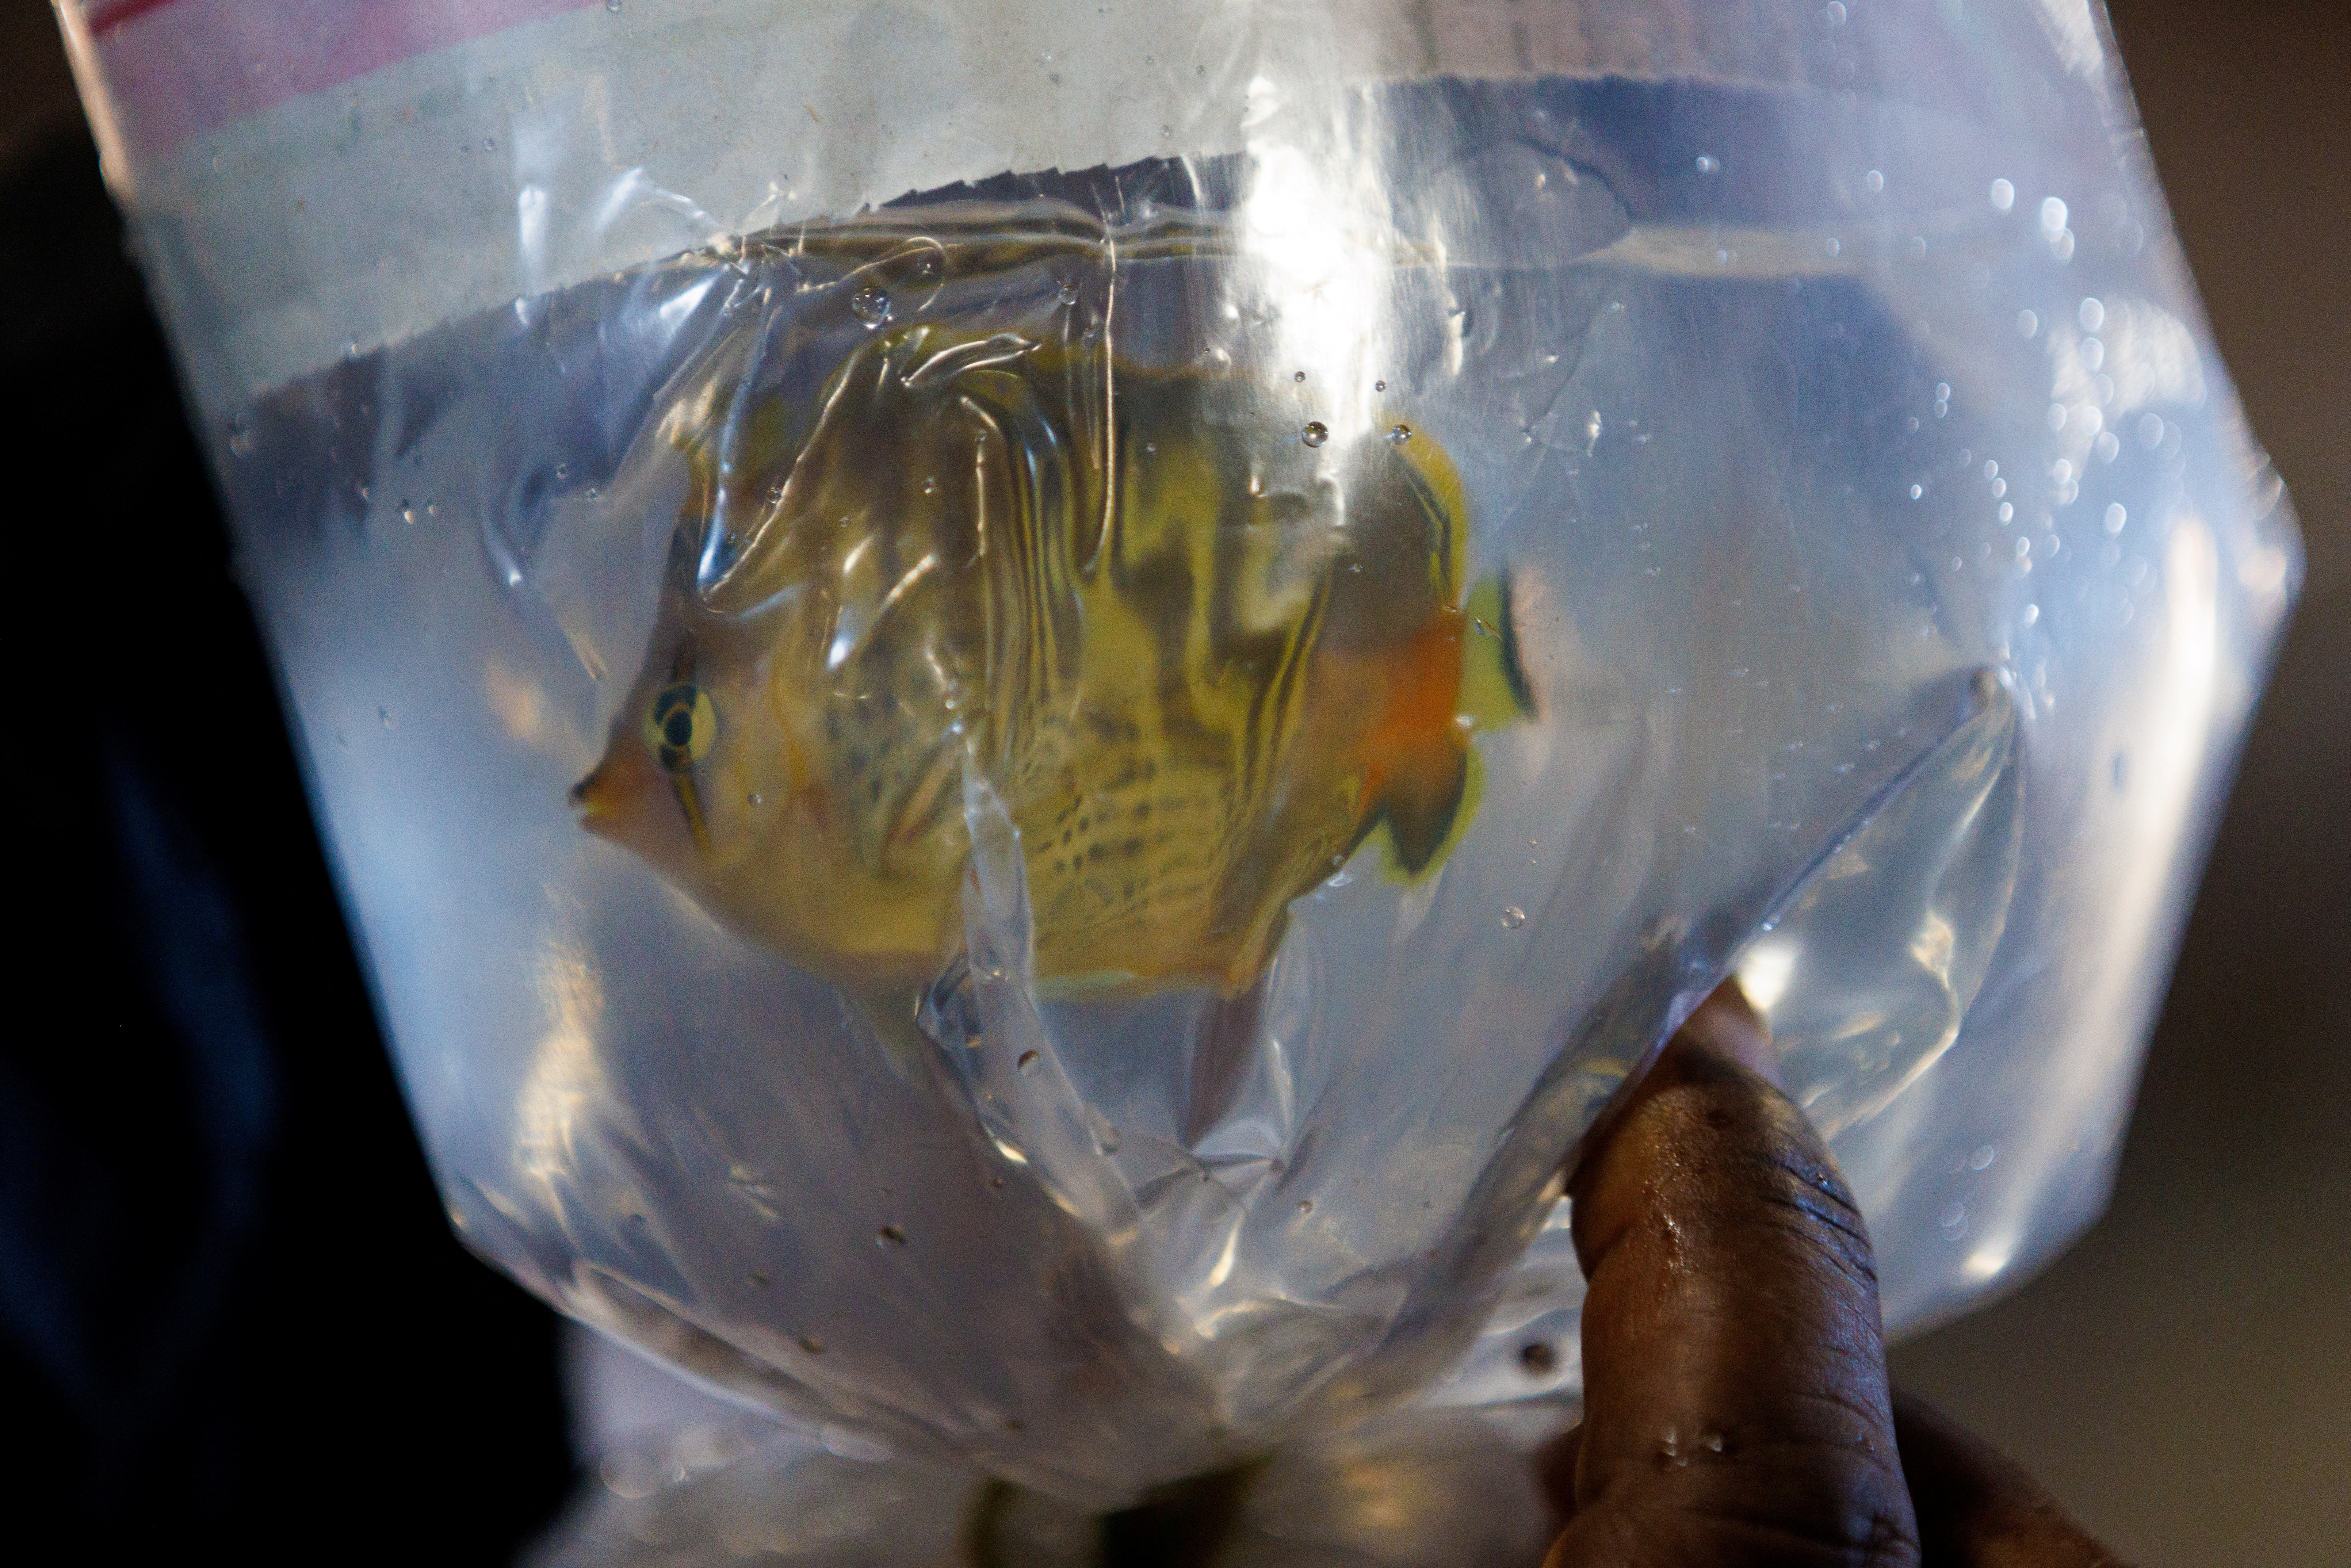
x=1513, y=917
x=1400, y=435
x=870, y=305
x=1315, y=433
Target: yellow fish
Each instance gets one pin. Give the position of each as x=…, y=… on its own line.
x=1199, y=654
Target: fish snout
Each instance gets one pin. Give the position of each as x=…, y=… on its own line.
x=596, y=800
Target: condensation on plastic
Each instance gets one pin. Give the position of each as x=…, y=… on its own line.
x=1817, y=394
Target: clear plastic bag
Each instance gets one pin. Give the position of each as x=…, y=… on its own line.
x=1506, y=513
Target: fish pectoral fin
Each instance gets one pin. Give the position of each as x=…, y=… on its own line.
x=1421, y=800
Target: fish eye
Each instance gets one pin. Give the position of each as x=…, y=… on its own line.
x=681, y=726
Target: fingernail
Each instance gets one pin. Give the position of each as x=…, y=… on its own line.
x=1727, y=1025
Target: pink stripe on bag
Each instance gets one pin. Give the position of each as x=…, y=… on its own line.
x=173, y=68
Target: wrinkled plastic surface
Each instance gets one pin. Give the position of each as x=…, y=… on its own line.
x=719, y=591
x=1405, y=1490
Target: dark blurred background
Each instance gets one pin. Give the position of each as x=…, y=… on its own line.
x=231, y=1310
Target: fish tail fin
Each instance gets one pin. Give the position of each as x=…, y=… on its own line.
x=1495, y=690
x=1427, y=794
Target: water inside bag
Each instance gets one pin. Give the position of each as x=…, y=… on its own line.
x=1028, y=823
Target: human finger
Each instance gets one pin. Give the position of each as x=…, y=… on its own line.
x=1978, y=1509
x=1736, y=1406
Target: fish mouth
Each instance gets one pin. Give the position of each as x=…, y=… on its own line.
x=591, y=800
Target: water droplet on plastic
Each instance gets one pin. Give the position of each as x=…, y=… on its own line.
x=2116, y=517
x=1305, y=1206
x=889, y=1236
x=1513, y=917
x=1315, y=433
x=1299, y=376
x=1709, y=164
x=755, y=799
x=1981, y=1159
x=407, y=512
x=2028, y=322
x=1874, y=180
x=384, y=714
x=593, y=493
x=2004, y=195
x=1400, y=435
x=811, y=1344
x=742, y=1175
x=1108, y=1137
x=1379, y=386
x=2093, y=316
x=1067, y=294
x=870, y=305
x=1029, y=1064
x=1916, y=491
x=1537, y=1357
x=2052, y=217
x=613, y=6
